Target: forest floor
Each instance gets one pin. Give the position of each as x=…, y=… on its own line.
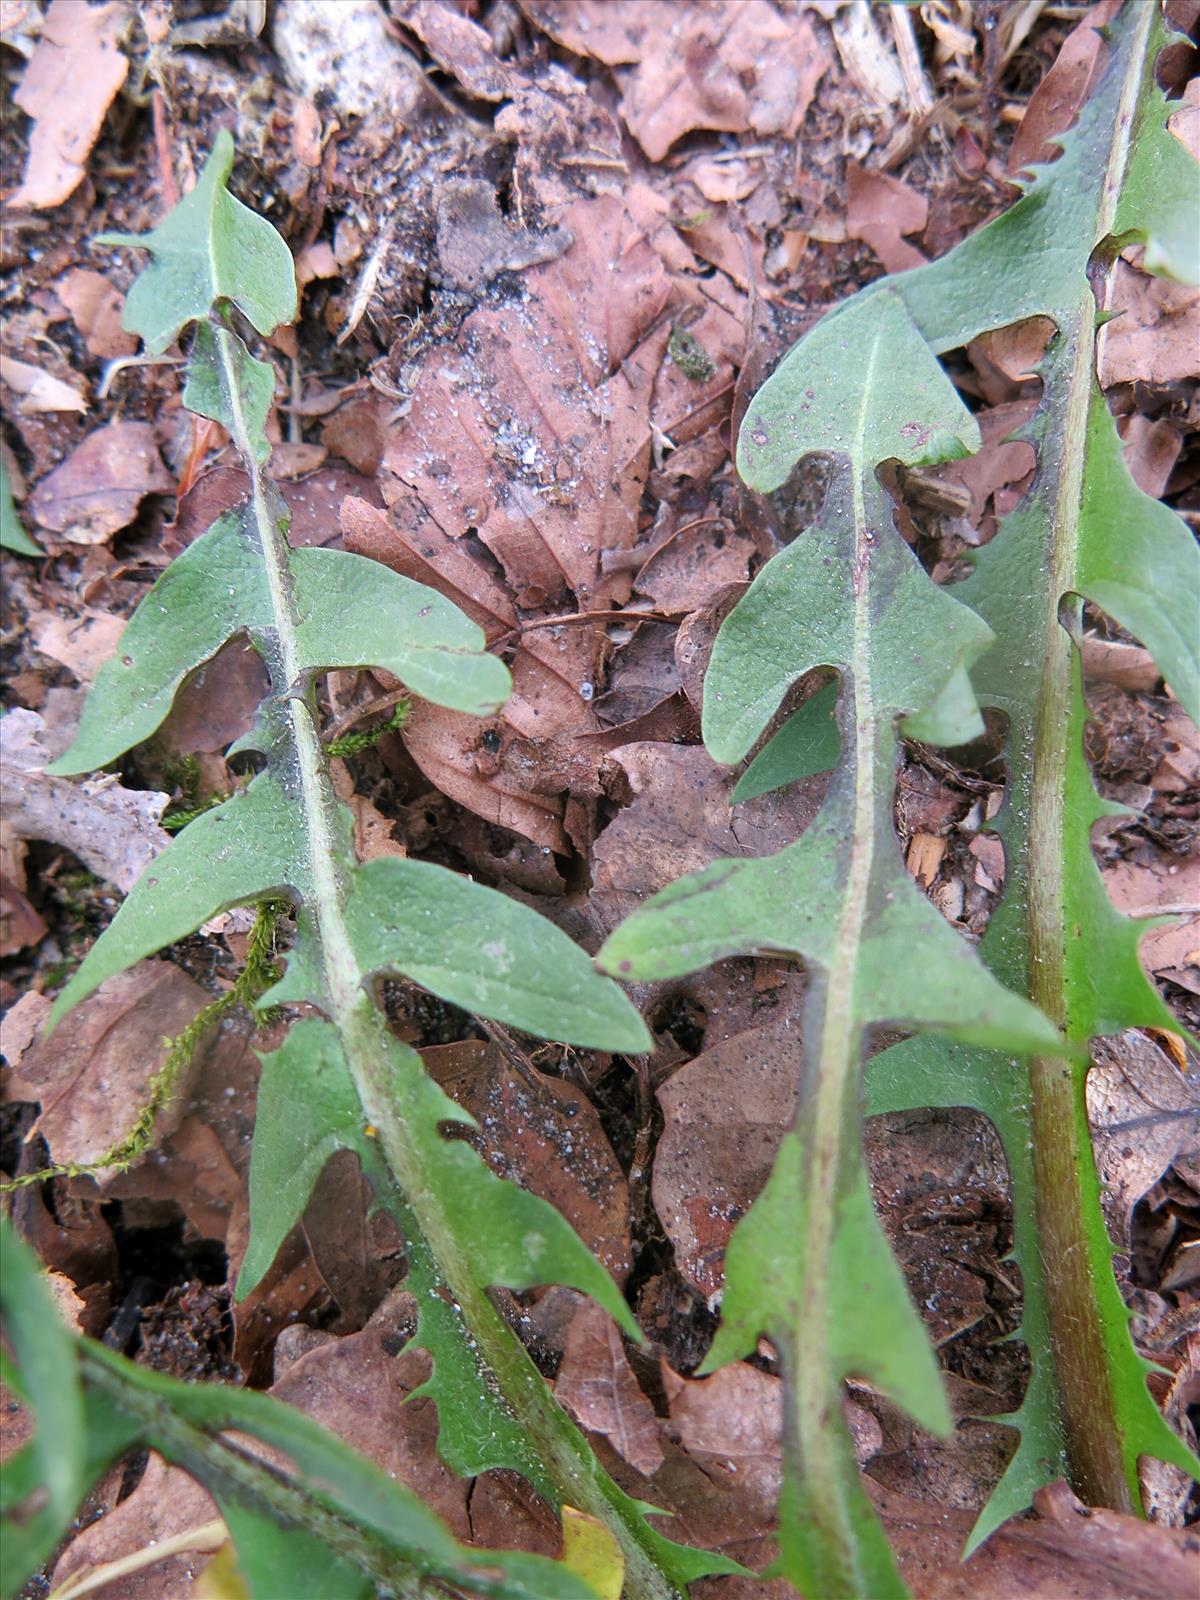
x=476, y=191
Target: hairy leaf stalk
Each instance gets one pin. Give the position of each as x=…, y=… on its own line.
x=1083, y=531
x=1065, y=1178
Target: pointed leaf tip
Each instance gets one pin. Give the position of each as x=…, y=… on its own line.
x=209, y=248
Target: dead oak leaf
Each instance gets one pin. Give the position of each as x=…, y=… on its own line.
x=460, y=46
x=880, y=210
x=724, y=1114
x=82, y=644
x=95, y=307
x=533, y=429
x=729, y=65
x=97, y=490
x=1154, y=339
x=597, y=1386
x=544, y=1134
x=67, y=88
x=93, y=1078
x=1068, y=1551
x=676, y=818
x=1144, y=1113
x=731, y=1424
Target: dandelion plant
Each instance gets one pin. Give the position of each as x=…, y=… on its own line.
x=808, y=1266
x=341, y=1079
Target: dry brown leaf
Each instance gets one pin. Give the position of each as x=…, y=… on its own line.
x=21, y=926
x=1067, y=1552
x=357, y=432
x=113, y=831
x=1140, y=891
x=724, y=1114
x=39, y=391
x=641, y=675
x=23, y=1022
x=1178, y=770
x=459, y=45
x=1155, y=338
x=313, y=503
x=880, y=209
x=533, y=429
x=676, y=818
x=731, y=1424
x=999, y=472
x=97, y=490
x=81, y=643
x=407, y=539
x=1144, y=1112
x=735, y=66
x=1056, y=100
x=1152, y=448
x=545, y=1135
x=1006, y=359
x=96, y=307
x=596, y=1384
x=166, y=1502
x=92, y=1079
x=1129, y=666
x=67, y=87
x=216, y=703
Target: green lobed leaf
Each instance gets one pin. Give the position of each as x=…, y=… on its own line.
x=306, y=611
x=808, y=1265
x=807, y=743
x=50, y=1477
x=468, y=944
x=308, y=1108
x=351, y=612
x=491, y=955
x=226, y=384
x=210, y=248
x=338, y=1506
x=12, y=534
x=1085, y=529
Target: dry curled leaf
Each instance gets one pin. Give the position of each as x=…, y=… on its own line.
x=545, y=1135
x=93, y=1078
x=597, y=1386
x=724, y=1114
x=734, y=66
x=97, y=490
x=68, y=86
x=39, y=391
x=533, y=428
